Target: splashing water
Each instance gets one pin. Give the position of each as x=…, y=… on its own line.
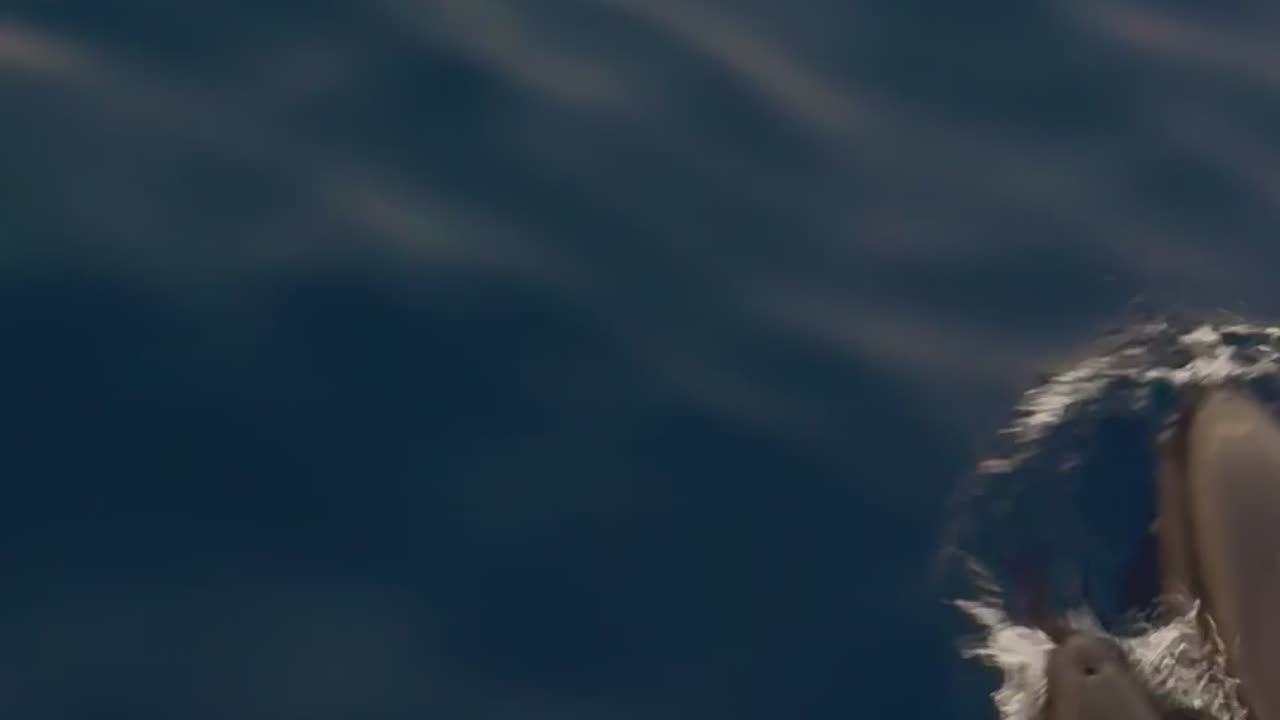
x=1146, y=355
x=1183, y=669
x=1181, y=664
x=1021, y=653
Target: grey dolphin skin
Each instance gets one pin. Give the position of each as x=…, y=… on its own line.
x=1218, y=530
x=1219, y=533
x=1090, y=679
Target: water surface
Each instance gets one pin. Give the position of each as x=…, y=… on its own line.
x=571, y=359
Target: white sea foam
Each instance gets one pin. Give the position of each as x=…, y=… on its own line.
x=1142, y=356
x=1182, y=668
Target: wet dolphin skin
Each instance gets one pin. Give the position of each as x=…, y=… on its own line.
x=1220, y=532
x=1090, y=679
x=1218, y=529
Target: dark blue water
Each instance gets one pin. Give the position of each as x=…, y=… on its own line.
x=572, y=359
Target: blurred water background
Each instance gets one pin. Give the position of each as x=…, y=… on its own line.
x=567, y=359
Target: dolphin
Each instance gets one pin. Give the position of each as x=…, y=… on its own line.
x=1090, y=679
x=1218, y=532
x=1218, y=535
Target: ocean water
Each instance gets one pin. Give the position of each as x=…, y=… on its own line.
x=572, y=359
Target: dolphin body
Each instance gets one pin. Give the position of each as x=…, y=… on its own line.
x=1218, y=533
x=1090, y=679
x=1218, y=529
